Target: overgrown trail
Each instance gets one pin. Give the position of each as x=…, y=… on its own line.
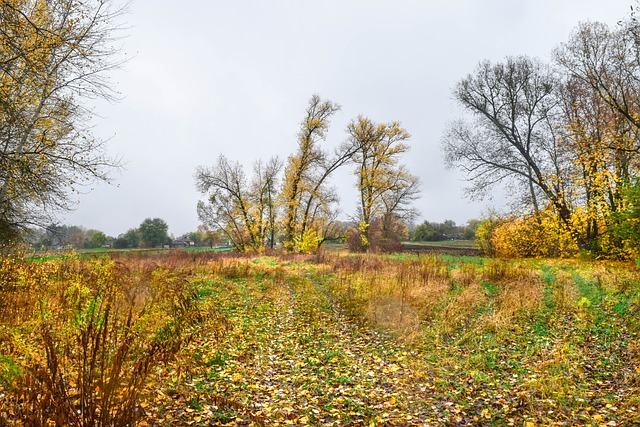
x=513, y=348
x=337, y=339
x=291, y=357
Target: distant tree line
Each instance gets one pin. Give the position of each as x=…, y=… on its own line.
x=447, y=230
x=152, y=232
x=67, y=236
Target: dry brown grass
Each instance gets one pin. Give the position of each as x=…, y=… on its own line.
x=519, y=294
x=85, y=334
x=392, y=314
x=427, y=296
x=461, y=309
x=465, y=275
x=564, y=291
x=400, y=295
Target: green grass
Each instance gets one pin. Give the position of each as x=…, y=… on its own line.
x=445, y=243
x=202, y=249
x=104, y=252
x=404, y=339
x=9, y=370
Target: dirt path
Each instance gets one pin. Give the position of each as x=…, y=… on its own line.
x=291, y=357
x=442, y=249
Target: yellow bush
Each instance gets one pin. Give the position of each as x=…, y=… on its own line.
x=307, y=243
x=527, y=236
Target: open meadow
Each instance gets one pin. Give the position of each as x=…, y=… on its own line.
x=212, y=338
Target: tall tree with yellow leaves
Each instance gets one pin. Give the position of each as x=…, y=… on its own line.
x=54, y=54
x=386, y=188
x=307, y=202
x=601, y=145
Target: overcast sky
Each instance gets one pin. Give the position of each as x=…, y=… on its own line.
x=234, y=77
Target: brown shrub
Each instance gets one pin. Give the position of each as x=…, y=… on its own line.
x=87, y=334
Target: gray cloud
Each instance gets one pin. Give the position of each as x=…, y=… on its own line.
x=210, y=77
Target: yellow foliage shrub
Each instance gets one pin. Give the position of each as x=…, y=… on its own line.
x=526, y=236
x=307, y=243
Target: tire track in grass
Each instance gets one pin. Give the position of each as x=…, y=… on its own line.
x=292, y=358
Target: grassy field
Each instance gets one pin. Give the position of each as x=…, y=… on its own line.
x=104, y=252
x=208, y=338
x=446, y=243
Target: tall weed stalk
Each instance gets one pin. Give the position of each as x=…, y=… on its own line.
x=94, y=332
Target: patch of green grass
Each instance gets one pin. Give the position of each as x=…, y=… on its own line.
x=622, y=306
x=205, y=292
x=446, y=243
x=201, y=249
x=548, y=273
x=491, y=288
x=456, y=260
x=587, y=287
x=9, y=371
x=224, y=415
x=218, y=359
x=265, y=260
x=195, y=404
x=51, y=257
x=331, y=354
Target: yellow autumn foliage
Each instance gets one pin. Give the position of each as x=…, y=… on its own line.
x=307, y=243
x=526, y=236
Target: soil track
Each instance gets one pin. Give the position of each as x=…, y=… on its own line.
x=442, y=250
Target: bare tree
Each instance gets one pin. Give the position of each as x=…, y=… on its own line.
x=608, y=60
x=227, y=206
x=512, y=137
x=403, y=190
x=244, y=212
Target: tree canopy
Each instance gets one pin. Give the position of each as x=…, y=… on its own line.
x=54, y=55
x=385, y=187
x=563, y=136
x=153, y=232
x=301, y=209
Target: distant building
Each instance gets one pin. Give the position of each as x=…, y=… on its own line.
x=182, y=242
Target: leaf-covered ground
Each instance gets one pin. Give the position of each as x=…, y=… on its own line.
x=293, y=350
x=290, y=356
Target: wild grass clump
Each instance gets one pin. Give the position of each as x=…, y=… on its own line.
x=395, y=294
x=440, y=295
x=79, y=338
x=559, y=337
x=519, y=293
